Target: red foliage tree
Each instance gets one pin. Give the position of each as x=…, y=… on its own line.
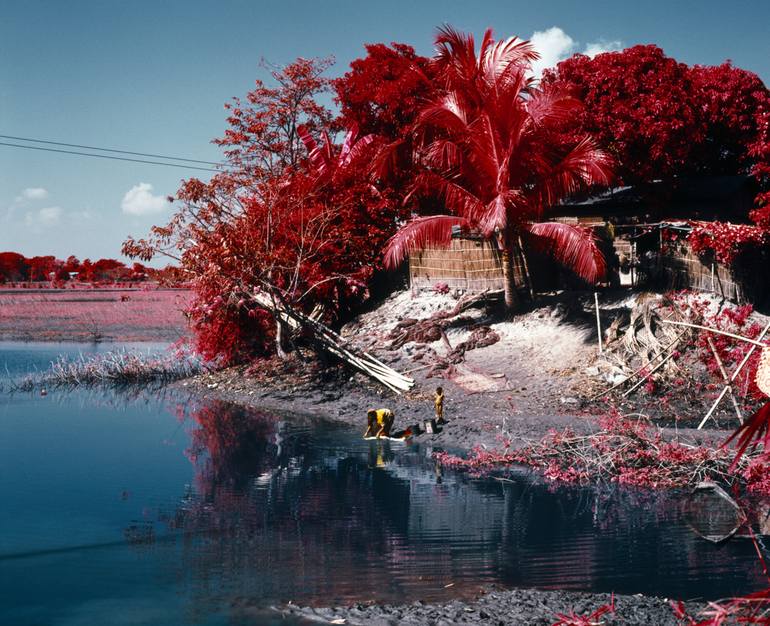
x=13, y=267
x=382, y=94
x=383, y=91
x=638, y=103
x=662, y=119
x=729, y=99
x=306, y=229
x=41, y=267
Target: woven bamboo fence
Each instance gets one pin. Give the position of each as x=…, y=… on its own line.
x=468, y=264
x=683, y=269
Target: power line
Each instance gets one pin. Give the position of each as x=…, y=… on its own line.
x=76, y=145
x=106, y=156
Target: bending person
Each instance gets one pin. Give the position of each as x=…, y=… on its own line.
x=380, y=420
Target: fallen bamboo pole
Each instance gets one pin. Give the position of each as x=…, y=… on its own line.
x=718, y=332
x=335, y=344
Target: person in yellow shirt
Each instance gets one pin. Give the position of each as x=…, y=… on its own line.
x=438, y=403
x=380, y=420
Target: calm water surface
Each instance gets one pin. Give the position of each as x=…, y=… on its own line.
x=154, y=508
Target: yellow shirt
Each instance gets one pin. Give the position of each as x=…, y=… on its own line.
x=384, y=415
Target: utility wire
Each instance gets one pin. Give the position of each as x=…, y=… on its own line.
x=76, y=145
x=106, y=156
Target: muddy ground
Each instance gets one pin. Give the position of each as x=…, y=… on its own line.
x=536, y=378
x=501, y=608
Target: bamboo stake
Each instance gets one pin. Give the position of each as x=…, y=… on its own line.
x=726, y=378
x=734, y=376
x=749, y=353
x=598, y=322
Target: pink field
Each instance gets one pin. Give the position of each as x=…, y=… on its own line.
x=94, y=315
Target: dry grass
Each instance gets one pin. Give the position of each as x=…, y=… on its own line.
x=120, y=367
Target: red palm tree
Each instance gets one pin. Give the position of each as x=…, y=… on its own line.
x=488, y=148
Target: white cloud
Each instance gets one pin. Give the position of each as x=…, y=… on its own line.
x=554, y=45
x=31, y=193
x=48, y=216
x=34, y=193
x=601, y=46
x=139, y=200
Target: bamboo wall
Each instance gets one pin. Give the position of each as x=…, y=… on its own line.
x=469, y=264
x=683, y=269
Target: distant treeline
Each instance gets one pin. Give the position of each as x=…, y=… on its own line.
x=16, y=268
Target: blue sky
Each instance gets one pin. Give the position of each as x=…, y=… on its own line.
x=153, y=76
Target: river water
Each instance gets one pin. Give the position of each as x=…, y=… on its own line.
x=152, y=507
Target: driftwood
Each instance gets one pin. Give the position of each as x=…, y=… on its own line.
x=330, y=341
x=481, y=336
x=432, y=328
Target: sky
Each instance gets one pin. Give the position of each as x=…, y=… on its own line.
x=152, y=77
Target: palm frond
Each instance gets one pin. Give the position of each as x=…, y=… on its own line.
x=356, y=150
x=444, y=155
x=574, y=247
x=348, y=142
x=315, y=151
x=496, y=216
x=551, y=106
x=390, y=158
x=418, y=233
x=496, y=212
x=456, y=198
x=505, y=56
x=455, y=54
x=585, y=165
x=753, y=431
x=446, y=114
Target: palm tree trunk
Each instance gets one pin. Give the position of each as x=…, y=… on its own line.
x=509, y=280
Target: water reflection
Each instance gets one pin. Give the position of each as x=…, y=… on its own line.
x=171, y=510
x=312, y=514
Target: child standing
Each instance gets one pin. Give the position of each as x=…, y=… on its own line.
x=438, y=403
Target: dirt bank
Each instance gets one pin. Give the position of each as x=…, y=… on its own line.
x=534, y=379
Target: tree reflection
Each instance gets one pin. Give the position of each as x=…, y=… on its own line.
x=281, y=510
